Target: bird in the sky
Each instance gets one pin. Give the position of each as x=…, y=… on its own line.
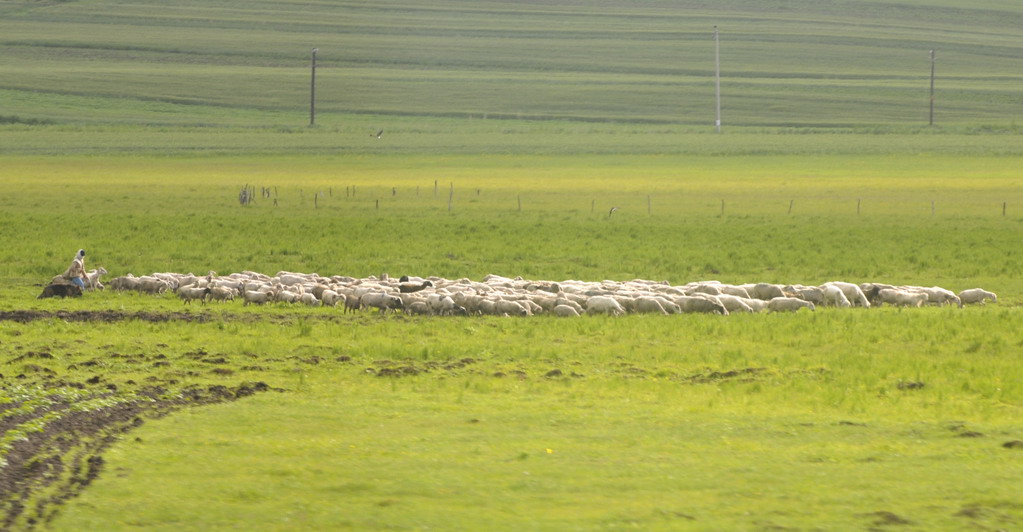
x=612, y=211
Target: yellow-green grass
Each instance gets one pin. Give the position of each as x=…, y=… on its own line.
x=691, y=422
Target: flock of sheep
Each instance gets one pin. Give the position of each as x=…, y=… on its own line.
x=503, y=296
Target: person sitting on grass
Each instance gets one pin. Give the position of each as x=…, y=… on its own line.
x=76, y=272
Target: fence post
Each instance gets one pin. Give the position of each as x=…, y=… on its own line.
x=451, y=196
x=1003, y=208
x=932, y=207
x=790, y=205
x=520, y=202
x=857, y=206
x=722, y=207
x=648, y=211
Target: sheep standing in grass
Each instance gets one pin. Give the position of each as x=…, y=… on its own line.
x=705, y=305
x=937, y=295
x=564, y=311
x=190, y=293
x=649, y=305
x=331, y=298
x=788, y=304
x=92, y=278
x=382, y=301
x=221, y=293
x=902, y=298
x=256, y=297
x=834, y=295
x=604, y=305
x=976, y=295
x=852, y=292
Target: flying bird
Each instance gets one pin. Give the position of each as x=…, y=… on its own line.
x=378, y=135
x=612, y=211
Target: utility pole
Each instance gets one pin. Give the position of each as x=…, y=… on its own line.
x=930, y=120
x=717, y=79
x=312, y=92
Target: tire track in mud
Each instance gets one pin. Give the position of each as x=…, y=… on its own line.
x=56, y=422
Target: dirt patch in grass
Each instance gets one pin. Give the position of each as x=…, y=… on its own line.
x=52, y=451
x=55, y=423
x=104, y=316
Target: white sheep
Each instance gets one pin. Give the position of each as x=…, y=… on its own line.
x=649, y=305
x=190, y=293
x=852, y=292
x=834, y=295
x=696, y=304
x=764, y=291
x=220, y=293
x=604, y=305
x=902, y=298
x=256, y=297
x=788, y=304
x=382, y=301
x=92, y=278
x=734, y=303
x=331, y=298
x=564, y=311
x=510, y=308
x=977, y=295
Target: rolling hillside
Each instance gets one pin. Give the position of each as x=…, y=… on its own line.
x=802, y=63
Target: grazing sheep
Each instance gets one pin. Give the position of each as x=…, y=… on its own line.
x=757, y=305
x=565, y=311
x=255, y=297
x=60, y=290
x=125, y=282
x=976, y=295
x=331, y=298
x=813, y=294
x=604, y=305
x=788, y=304
x=382, y=301
x=765, y=291
x=221, y=293
x=417, y=308
x=871, y=290
x=940, y=296
x=902, y=298
x=190, y=293
x=510, y=308
x=352, y=303
x=834, y=295
x=696, y=304
x=308, y=299
x=734, y=303
x=852, y=292
x=649, y=305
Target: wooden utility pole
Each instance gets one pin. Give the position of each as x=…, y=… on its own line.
x=930, y=120
x=717, y=80
x=312, y=91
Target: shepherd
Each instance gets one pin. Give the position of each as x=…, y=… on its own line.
x=76, y=272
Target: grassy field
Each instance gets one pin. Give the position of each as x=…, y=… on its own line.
x=783, y=64
x=510, y=131
x=834, y=419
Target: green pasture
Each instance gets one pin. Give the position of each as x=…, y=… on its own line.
x=510, y=130
x=834, y=419
x=246, y=63
x=693, y=422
